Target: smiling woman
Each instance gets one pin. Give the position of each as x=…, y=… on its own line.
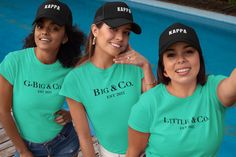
x=186, y=109
x=33, y=75
x=116, y=82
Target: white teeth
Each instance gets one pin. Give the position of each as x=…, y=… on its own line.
x=116, y=45
x=182, y=70
x=44, y=39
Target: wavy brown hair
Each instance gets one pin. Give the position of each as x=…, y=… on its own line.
x=70, y=52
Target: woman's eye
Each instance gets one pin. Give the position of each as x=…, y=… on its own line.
x=127, y=33
x=112, y=29
x=55, y=28
x=170, y=55
x=39, y=26
x=189, y=52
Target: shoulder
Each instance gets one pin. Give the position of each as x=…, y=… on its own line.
x=153, y=93
x=19, y=53
x=215, y=77
x=129, y=68
x=157, y=90
x=16, y=56
x=81, y=67
x=214, y=80
x=78, y=70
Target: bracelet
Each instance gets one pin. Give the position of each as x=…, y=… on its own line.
x=153, y=83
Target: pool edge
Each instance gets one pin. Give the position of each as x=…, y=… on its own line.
x=189, y=10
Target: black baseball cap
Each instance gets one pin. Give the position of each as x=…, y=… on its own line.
x=55, y=10
x=116, y=14
x=178, y=32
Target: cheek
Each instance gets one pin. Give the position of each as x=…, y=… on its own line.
x=126, y=41
x=196, y=63
x=58, y=37
x=105, y=35
x=36, y=36
x=102, y=39
x=168, y=64
x=125, y=47
x=167, y=68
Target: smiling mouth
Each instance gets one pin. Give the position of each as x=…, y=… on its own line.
x=44, y=39
x=183, y=70
x=116, y=45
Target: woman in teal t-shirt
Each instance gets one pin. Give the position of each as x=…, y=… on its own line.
x=182, y=116
x=30, y=80
x=105, y=91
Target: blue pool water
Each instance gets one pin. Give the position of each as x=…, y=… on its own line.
x=217, y=39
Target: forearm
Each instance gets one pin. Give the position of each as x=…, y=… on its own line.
x=8, y=123
x=227, y=90
x=81, y=125
x=149, y=79
x=12, y=132
x=87, y=148
x=137, y=142
x=85, y=139
x=233, y=86
x=133, y=153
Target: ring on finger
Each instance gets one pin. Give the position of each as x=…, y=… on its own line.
x=129, y=58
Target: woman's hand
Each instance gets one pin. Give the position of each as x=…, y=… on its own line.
x=131, y=57
x=63, y=117
x=26, y=154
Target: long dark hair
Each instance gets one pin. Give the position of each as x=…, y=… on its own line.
x=70, y=52
x=89, y=47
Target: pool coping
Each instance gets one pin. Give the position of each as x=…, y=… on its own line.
x=189, y=10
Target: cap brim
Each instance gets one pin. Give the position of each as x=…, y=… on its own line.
x=175, y=40
x=121, y=21
x=51, y=17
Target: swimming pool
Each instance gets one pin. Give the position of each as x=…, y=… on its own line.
x=217, y=37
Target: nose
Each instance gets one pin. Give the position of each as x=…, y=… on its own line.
x=181, y=59
x=45, y=31
x=119, y=36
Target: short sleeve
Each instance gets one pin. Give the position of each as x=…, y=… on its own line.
x=141, y=117
x=8, y=68
x=212, y=85
x=70, y=87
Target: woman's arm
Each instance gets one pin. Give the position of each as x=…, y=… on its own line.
x=149, y=79
x=137, y=142
x=6, y=94
x=133, y=57
x=227, y=90
x=81, y=124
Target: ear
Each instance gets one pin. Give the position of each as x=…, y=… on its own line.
x=65, y=39
x=165, y=74
x=94, y=30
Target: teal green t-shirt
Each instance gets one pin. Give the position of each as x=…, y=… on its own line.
x=181, y=127
x=35, y=94
x=107, y=95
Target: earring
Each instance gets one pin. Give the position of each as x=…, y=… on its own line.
x=94, y=41
x=64, y=41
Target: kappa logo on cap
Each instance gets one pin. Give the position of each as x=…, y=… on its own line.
x=178, y=30
x=52, y=6
x=123, y=9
